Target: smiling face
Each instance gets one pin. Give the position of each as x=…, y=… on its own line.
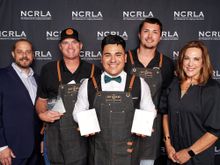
x=149, y=35
x=23, y=54
x=70, y=48
x=113, y=59
x=192, y=62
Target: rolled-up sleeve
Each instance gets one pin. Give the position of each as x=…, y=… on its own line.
x=146, y=102
x=82, y=102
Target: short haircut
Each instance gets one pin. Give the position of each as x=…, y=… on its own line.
x=113, y=39
x=207, y=69
x=22, y=40
x=151, y=21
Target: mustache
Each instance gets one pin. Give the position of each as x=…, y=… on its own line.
x=24, y=58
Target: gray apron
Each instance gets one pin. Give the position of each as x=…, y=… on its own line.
x=115, y=111
x=150, y=146
x=64, y=144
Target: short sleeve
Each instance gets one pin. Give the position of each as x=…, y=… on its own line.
x=42, y=91
x=211, y=107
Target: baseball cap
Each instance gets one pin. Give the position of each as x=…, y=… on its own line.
x=69, y=33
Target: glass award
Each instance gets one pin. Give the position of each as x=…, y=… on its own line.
x=56, y=104
x=51, y=103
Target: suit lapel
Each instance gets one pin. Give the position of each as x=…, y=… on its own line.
x=14, y=76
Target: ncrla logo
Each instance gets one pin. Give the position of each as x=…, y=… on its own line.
x=87, y=15
x=43, y=55
x=90, y=55
x=102, y=34
x=168, y=35
x=12, y=35
x=188, y=15
x=35, y=15
x=216, y=74
x=136, y=15
x=209, y=35
x=175, y=55
x=217, y=150
x=53, y=35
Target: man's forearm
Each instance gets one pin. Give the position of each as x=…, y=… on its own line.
x=41, y=105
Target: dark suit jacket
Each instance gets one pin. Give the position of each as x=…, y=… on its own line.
x=18, y=119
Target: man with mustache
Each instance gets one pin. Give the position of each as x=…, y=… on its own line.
x=19, y=125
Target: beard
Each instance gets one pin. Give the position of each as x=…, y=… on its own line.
x=23, y=62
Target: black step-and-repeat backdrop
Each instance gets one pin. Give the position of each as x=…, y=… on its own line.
x=41, y=21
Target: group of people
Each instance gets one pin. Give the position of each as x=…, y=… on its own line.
x=184, y=100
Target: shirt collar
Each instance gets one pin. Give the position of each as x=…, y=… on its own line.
x=21, y=72
x=65, y=69
x=122, y=74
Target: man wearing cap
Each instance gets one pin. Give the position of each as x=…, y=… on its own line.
x=62, y=78
x=115, y=95
x=19, y=124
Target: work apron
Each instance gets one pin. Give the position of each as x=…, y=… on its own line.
x=64, y=144
x=115, y=111
x=150, y=146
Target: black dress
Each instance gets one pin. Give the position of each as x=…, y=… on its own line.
x=191, y=116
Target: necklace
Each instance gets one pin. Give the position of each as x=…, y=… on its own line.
x=185, y=85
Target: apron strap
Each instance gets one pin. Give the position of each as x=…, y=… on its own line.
x=131, y=58
x=95, y=84
x=131, y=83
x=92, y=71
x=58, y=72
x=161, y=60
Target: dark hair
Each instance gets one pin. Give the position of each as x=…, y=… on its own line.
x=22, y=40
x=206, y=71
x=113, y=39
x=151, y=21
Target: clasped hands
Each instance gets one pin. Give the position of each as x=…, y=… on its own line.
x=179, y=157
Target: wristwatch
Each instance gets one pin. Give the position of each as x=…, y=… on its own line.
x=191, y=153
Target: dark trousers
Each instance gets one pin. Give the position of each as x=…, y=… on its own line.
x=34, y=159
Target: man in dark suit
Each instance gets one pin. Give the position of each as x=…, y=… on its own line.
x=18, y=121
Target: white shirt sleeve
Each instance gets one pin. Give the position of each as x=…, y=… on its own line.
x=146, y=102
x=2, y=148
x=82, y=102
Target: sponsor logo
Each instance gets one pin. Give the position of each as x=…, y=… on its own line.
x=168, y=35
x=90, y=55
x=42, y=55
x=188, y=15
x=53, y=35
x=102, y=34
x=87, y=15
x=35, y=15
x=136, y=15
x=175, y=55
x=216, y=75
x=209, y=35
x=12, y=35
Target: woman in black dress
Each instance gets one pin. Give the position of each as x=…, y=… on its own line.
x=191, y=108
